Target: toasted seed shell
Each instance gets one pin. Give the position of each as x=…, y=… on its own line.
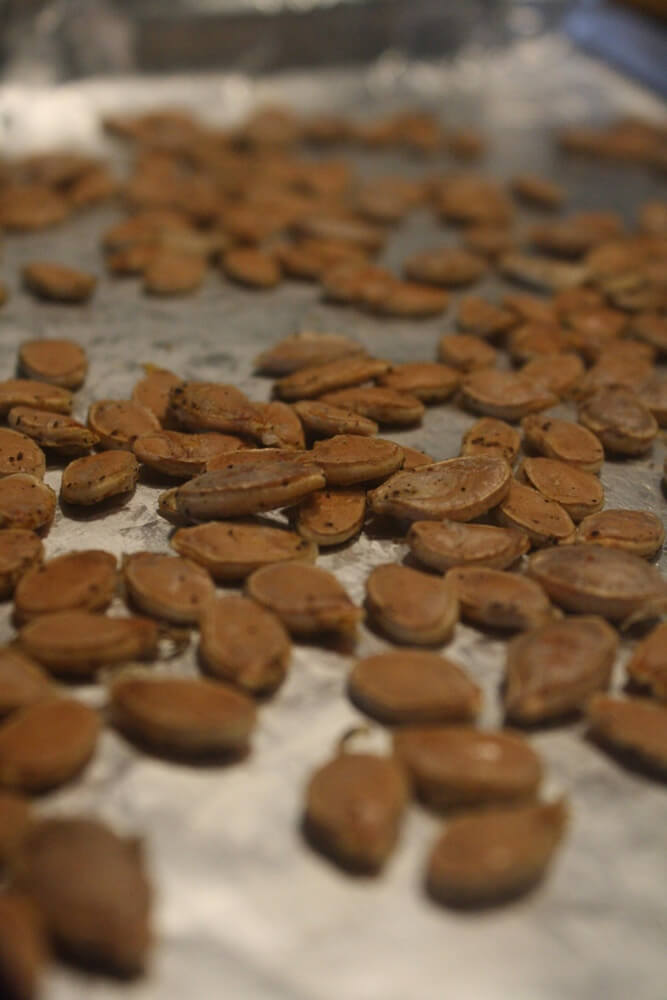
x=537, y=340
x=212, y=406
x=504, y=394
x=83, y=579
x=308, y=600
x=413, y=686
x=181, y=715
x=465, y=352
x=75, y=643
x=244, y=643
x=648, y=665
x=578, y=492
x=482, y=318
x=558, y=374
x=448, y=266
x=331, y=517
x=415, y=459
x=26, y=502
x=427, y=380
x=620, y=420
x=15, y=821
x=544, y=521
x=58, y=283
x=56, y=431
x=58, y=362
x=22, y=947
x=386, y=406
x=493, y=855
x=455, y=766
x=407, y=298
x=251, y=267
x=348, y=459
x=22, y=682
x=554, y=669
x=31, y=392
x=490, y=436
x=167, y=587
x=92, y=891
x=444, y=544
x=94, y=478
x=322, y=420
x=152, y=391
x=563, y=440
x=499, y=599
x=459, y=489
x=20, y=551
x=173, y=453
x=170, y=272
x=283, y=427
x=318, y=379
x=354, y=807
x=45, y=744
x=233, y=551
x=637, y=531
x=635, y=727
x=119, y=422
x=303, y=350
x=19, y=453
x=411, y=607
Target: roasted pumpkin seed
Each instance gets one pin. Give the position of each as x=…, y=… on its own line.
x=233, y=551
x=648, y=664
x=26, y=502
x=308, y=600
x=22, y=681
x=55, y=431
x=20, y=551
x=542, y=272
x=415, y=459
x=251, y=267
x=563, y=440
x=633, y=727
x=152, y=391
x=119, y=422
x=448, y=266
x=427, y=380
x=58, y=283
x=331, y=517
x=304, y=350
x=482, y=318
x=465, y=352
x=58, y=362
x=411, y=607
x=244, y=643
x=386, y=406
x=19, y=453
x=75, y=643
x=637, y=531
x=212, y=406
x=498, y=599
x=536, y=190
x=544, y=521
x=173, y=453
x=319, y=379
x=503, y=394
x=490, y=436
x=578, y=492
x=167, y=587
x=170, y=272
x=621, y=421
x=83, y=579
x=283, y=427
x=322, y=420
x=30, y=392
x=444, y=544
x=348, y=459
x=94, y=478
x=559, y=374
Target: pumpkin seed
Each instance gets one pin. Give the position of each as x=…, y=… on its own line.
x=637, y=531
x=405, y=298
x=537, y=191
x=233, y=551
x=490, y=436
x=167, y=587
x=578, y=492
x=632, y=727
x=308, y=600
x=498, y=599
x=415, y=459
x=331, y=517
x=152, y=391
x=22, y=682
x=19, y=453
x=648, y=665
x=170, y=272
x=20, y=551
x=94, y=478
x=594, y=329
x=322, y=420
x=29, y=207
x=173, y=453
x=348, y=459
x=283, y=427
x=650, y=328
x=559, y=374
x=319, y=379
x=544, y=521
x=30, y=392
x=212, y=406
x=541, y=272
x=26, y=502
x=427, y=380
x=345, y=230
x=410, y=607
x=503, y=394
x=653, y=395
x=22, y=947
x=444, y=544
x=386, y=406
x=58, y=283
x=482, y=318
x=448, y=266
x=251, y=267
x=465, y=352
x=58, y=362
x=537, y=339
x=244, y=643
x=305, y=350
x=58, y=432
x=15, y=820
x=119, y=422
x=529, y=308
x=488, y=240
x=84, y=579
x=563, y=440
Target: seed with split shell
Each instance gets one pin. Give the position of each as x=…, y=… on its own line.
x=563, y=440
x=459, y=489
x=244, y=643
x=251, y=267
x=490, y=436
x=466, y=352
x=58, y=362
x=415, y=459
x=347, y=459
x=318, y=379
x=444, y=544
x=542, y=272
x=26, y=502
x=331, y=517
x=457, y=766
x=448, y=266
x=553, y=670
x=283, y=428
x=30, y=392
x=85, y=579
x=498, y=599
x=496, y=854
x=544, y=521
x=20, y=551
x=578, y=492
x=637, y=531
x=91, y=890
x=119, y=422
x=354, y=807
x=558, y=374
x=181, y=715
x=620, y=420
x=648, y=665
x=170, y=272
x=94, y=478
x=152, y=391
x=22, y=682
x=482, y=318
x=23, y=951
x=233, y=551
x=504, y=394
x=592, y=579
x=308, y=600
x=427, y=380
x=19, y=453
x=58, y=283
x=413, y=686
x=167, y=587
x=212, y=406
x=76, y=643
x=45, y=744
x=632, y=727
x=322, y=420
x=386, y=406
x=55, y=431
x=411, y=607
x=304, y=350
x=173, y=453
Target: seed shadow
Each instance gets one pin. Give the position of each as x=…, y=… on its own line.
x=630, y=760
x=96, y=511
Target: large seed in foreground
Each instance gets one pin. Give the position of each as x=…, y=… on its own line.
x=85, y=579
x=648, y=665
x=459, y=489
x=308, y=600
x=621, y=421
x=167, y=587
x=58, y=362
x=181, y=715
x=244, y=643
x=578, y=492
x=20, y=551
x=94, y=478
x=638, y=531
x=455, y=766
x=173, y=453
x=554, y=669
x=564, y=440
x=444, y=544
x=494, y=855
x=411, y=607
x=354, y=807
x=233, y=551
x=19, y=453
x=544, y=521
x=498, y=599
x=22, y=681
x=76, y=643
x=331, y=517
x=413, y=686
x=22, y=947
x=348, y=459
x=635, y=728
x=26, y=502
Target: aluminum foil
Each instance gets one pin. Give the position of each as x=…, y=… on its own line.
x=244, y=909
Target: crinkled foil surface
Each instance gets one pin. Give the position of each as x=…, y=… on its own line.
x=243, y=909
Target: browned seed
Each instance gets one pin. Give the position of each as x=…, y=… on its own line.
x=559, y=374
x=22, y=682
x=23, y=951
x=653, y=394
x=590, y=331
x=553, y=670
x=132, y=259
x=26, y=502
x=28, y=207
x=544, y=521
x=15, y=821
x=541, y=272
x=94, y=478
x=459, y=489
x=92, y=892
x=465, y=352
x=386, y=200
x=304, y=350
x=632, y=727
x=576, y=235
x=20, y=551
x=96, y=185
x=318, y=379
x=457, y=766
x=482, y=318
x=444, y=544
x=648, y=666
x=58, y=283
x=119, y=422
x=499, y=599
x=244, y=643
x=308, y=600
x=536, y=339
x=30, y=392
x=386, y=406
x=536, y=190
x=173, y=453
x=448, y=266
x=495, y=854
x=650, y=328
x=413, y=686
x=405, y=298
x=84, y=579
x=356, y=282
x=331, y=517
x=348, y=459
x=503, y=394
x=563, y=440
x=58, y=362
x=57, y=432
x=75, y=643
x=354, y=807
x=344, y=230
x=488, y=240
x=152, y=391
x=470, y=200
x=167, y=587
x=593, y=579
x=212, y=406
x=528, y=308
x=490, y=436
x=322, y=420
x=427, y=380
x=19, y=453
x=283, y=427
x=411, y=607
x=170, y=272
x=309, y=259
x=637, y=531
x=251, y=267
x=578, y=492
x=233, y=551
x=181, y=715
x=574, y=300
x=466, y=144
x=620, y=420
x=414, y=459
x=46, y=744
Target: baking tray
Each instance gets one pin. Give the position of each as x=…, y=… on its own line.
x=243, y=907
